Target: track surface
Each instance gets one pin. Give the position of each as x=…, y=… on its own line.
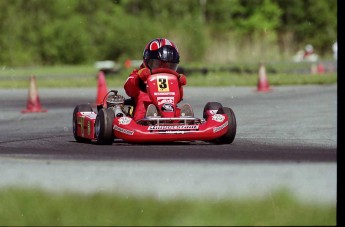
x=286, y=137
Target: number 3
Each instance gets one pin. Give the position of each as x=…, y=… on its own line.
x=162, y=84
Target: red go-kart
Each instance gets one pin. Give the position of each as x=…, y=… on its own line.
x=114, y=120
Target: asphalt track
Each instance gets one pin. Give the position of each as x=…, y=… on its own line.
x=285, y=138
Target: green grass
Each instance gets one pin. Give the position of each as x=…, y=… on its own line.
x=86, y=76
x=226, y=79
x=35, y=207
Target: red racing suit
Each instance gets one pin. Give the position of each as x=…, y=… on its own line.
x=141, y=98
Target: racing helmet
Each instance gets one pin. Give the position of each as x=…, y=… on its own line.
x=161, y=53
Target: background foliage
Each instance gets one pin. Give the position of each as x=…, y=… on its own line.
x=49, y=32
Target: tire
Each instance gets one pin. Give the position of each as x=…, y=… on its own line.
x=211, y=106
x=80, y=108
x=104, y=127
x=228, y=137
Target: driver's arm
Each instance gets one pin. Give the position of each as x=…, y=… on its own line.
x=131, y=85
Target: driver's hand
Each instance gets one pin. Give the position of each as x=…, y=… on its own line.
x=182, y=79
x=144, y=73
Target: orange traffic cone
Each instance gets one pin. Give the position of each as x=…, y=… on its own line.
x=263, y=85
x=33, y=103
x=128, y=63
x=102, y=89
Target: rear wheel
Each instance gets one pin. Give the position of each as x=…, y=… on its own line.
x=229, y=136
x=104, y=127
x=211, y=106
x=80, y=108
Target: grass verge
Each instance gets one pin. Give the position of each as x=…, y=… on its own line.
x=86, y=76
x=31, y=207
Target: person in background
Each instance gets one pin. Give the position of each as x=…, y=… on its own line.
x=308, y=51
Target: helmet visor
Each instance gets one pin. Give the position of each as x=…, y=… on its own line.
x=155, y=64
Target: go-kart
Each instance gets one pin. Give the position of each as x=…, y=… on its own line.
x=114, y=119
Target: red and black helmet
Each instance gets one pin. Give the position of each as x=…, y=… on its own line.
x=161, y=53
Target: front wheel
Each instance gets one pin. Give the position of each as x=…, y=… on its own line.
x=104, y=127
x=80, y=108
x=229, y=136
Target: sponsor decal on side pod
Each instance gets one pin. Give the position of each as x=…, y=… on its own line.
x=122, y=130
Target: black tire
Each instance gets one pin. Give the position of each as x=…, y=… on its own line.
x=80, y=108
x=104, y=127
x=211, y=106
x=228, y=137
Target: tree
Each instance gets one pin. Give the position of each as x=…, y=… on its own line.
x=308, y=21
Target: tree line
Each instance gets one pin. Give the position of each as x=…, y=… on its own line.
x=48, y=32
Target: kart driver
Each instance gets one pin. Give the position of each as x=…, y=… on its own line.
x=158, y=53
